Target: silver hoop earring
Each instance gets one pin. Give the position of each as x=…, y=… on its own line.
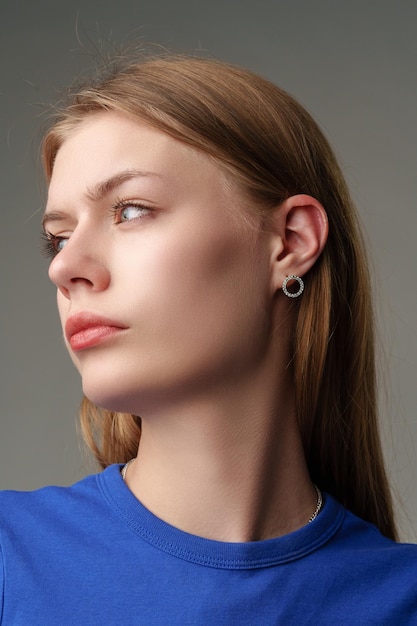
x=294, y=294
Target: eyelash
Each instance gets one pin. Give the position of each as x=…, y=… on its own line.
x=118, y=206
x=50, y=242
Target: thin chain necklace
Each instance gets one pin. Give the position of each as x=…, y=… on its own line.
x=312, y=518
x=124, y=468
x=318, y=505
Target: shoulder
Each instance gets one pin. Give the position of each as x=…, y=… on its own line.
x=368, y=573
x=25, y=514
x=50, y=540
x=45, y=496
x=49, y=520
x=56, y=508
x=362, y=534
x=359, y=540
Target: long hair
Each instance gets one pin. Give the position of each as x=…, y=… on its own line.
x=273, y=149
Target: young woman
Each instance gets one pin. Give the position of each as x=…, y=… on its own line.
x=214, y=296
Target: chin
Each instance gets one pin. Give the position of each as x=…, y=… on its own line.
x=114, y=405
x=110, y=399
x=122, y=397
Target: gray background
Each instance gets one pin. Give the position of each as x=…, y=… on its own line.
x=352, y=64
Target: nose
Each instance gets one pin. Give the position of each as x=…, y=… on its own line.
x=81, y=264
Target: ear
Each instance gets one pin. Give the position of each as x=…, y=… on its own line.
x=299, y=234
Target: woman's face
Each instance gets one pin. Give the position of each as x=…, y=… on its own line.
x=162, y=290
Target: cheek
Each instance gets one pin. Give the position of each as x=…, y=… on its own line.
x=205, y=294
x=186, y=273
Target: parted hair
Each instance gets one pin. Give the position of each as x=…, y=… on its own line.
x=273, y=149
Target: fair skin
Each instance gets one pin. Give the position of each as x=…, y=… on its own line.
x=172, y=310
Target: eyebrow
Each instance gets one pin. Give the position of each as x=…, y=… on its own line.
x=101, y=190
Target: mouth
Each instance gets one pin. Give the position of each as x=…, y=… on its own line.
x=85, y=330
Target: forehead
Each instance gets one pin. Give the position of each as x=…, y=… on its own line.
x=107, y=141
x=105, y=136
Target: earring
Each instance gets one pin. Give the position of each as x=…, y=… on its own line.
x=300, y=286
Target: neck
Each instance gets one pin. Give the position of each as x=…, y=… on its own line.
x=226, y=468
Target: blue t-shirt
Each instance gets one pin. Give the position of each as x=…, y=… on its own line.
x=92, y=554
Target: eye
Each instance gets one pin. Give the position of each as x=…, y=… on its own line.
x=51, y=244
x=127, y=211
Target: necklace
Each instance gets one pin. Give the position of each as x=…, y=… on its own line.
x=318, y=505
x=125, y=467
x=312, y=518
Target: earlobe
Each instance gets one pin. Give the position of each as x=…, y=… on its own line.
x=301, y=234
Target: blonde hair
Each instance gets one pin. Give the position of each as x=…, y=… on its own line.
x=274, y=149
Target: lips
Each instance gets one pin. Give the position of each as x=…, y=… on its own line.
x=85, y=330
